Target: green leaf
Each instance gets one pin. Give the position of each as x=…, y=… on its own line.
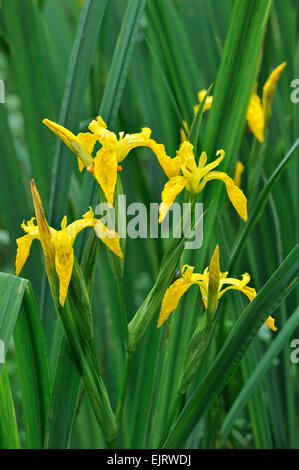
x=268, y=299
x=11, y=295
x=9, y=437
x=33, y=369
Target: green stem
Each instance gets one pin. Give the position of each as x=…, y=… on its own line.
x=124, y=385
x=123, y=309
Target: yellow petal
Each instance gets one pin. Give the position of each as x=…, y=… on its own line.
x=131, y=141
x=239, y=168
x=171, y=166
x=255, y=117
x=234, y=193
x=270, y=323
x=212, y=165
x=64, y=260
x=109, y=237
x=73, y=142
x=184, y=132
x=208, y=103
x=64, y=134
x=171, y=189
x=24, y=244
x=88, y=142
x=75, y=227
x=105, y=171
x=45, y=234
x=269, y=89
x=172, y=297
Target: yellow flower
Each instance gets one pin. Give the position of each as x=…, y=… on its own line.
x=113, y=150
x=259, y=110
x=184, y=172
x=188, y=278
x=58, y=244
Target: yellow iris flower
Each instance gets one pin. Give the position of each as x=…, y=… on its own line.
x=58, y=244
x=258, y=111
x=188, y=278
x=113, y=150
x=184, y=172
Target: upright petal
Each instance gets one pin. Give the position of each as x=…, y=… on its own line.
x=45, y=234
x=255, y=117
x=214, y=277
x=171, y=189
x=64, y=260
x=210, y=166
x=234, y=193
x=269, y=89
x=105, y=171
x=109, y=237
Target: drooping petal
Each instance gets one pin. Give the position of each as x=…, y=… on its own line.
x=24, y=245
x=239, y=168
x=131, y=141
x=170, y=166
x=269, y=89
x=75, y=227
x=64, y=260
x=255, y=117
x=210, y=166
x=250, y=292
x=234, y=193
x=172, y=297
x=105, y=171
x=171, y=189
x=109, y=237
